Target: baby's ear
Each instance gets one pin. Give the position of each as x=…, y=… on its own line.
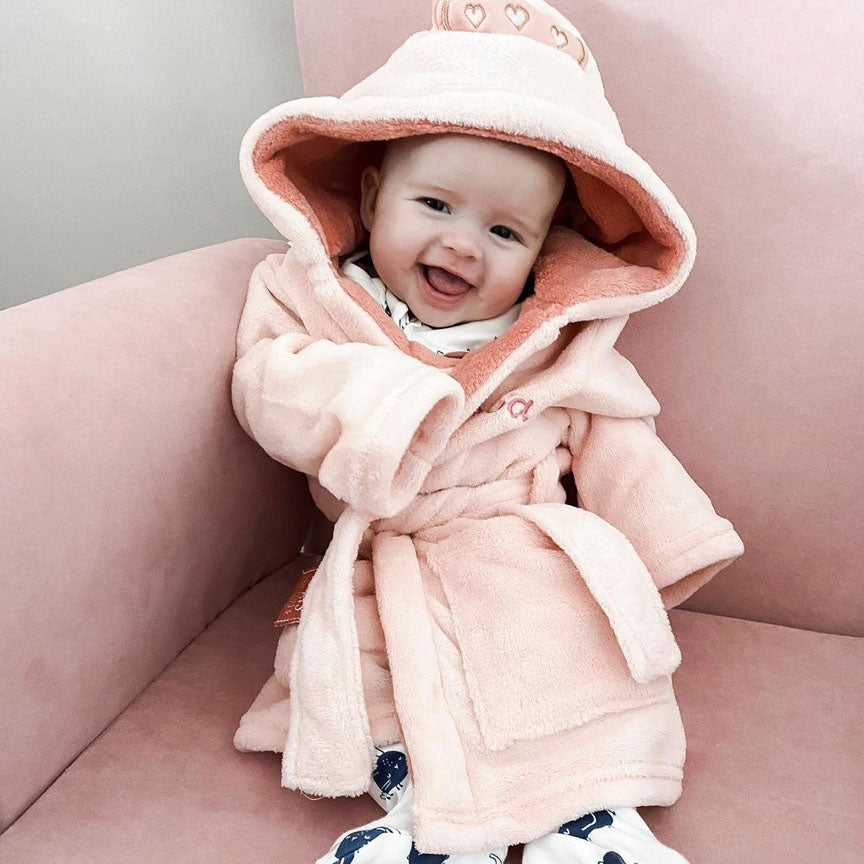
x=370, y=182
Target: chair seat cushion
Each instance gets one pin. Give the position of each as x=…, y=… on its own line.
x=773, y=769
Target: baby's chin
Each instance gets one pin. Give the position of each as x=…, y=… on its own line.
x=442, y=321
x=432, y=317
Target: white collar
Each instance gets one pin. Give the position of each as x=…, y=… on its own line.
x=467, y=336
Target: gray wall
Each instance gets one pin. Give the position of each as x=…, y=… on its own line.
x=120, y=127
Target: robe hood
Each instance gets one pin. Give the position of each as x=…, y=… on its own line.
x=520, y=72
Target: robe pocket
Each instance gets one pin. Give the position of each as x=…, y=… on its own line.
x=539, y=652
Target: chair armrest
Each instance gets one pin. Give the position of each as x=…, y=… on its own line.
x=134, y=507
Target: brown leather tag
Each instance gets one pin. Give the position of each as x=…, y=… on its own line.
x=290, y=612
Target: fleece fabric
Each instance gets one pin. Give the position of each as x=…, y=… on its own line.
x=520, y=647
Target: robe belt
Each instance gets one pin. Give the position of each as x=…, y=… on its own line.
x=329, y=749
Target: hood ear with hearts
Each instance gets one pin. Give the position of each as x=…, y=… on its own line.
x=537, y=21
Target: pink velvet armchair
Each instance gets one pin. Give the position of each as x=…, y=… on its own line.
x=148, y=543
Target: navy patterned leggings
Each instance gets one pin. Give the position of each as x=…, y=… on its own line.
x=617, y=836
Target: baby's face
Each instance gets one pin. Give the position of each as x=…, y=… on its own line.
x=456, y=222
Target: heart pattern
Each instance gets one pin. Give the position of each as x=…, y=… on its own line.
x=517, y=15
x=475, y=14
x=475, y=17
x=559, y=36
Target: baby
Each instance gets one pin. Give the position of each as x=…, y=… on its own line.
x=468, y=234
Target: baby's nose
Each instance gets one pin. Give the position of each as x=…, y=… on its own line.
x=462, y=242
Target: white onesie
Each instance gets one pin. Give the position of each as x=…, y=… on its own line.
x=459, y=337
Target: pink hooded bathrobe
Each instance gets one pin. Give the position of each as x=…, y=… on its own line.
x=519, y=646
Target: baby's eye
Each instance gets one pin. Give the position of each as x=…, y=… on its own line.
x=435, y=201
x=510, y=234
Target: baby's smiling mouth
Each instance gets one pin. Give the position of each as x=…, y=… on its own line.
x=445, y=282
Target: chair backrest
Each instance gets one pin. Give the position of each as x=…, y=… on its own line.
x=134, y=508
x=757, y=361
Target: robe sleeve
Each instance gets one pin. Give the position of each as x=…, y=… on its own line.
x=366, y=420
x=626, y=475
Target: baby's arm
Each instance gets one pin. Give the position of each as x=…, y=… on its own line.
x=366, y=420
x=626, y=475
